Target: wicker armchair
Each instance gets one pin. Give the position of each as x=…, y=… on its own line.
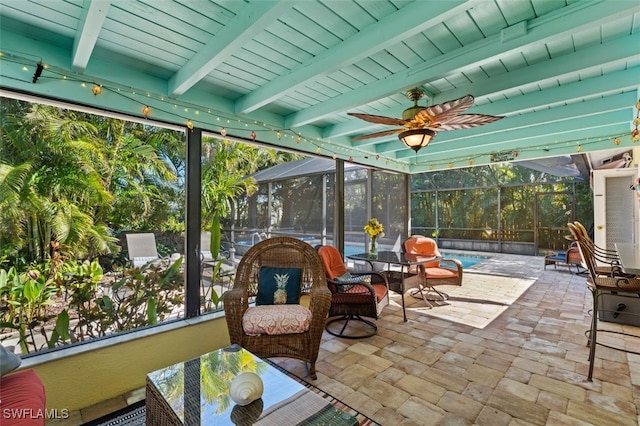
x=442, y=271
x=362, y=294
x=280, y=252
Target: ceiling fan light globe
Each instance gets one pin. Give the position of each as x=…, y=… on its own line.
x=416, y=138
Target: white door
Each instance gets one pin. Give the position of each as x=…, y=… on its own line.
x=615, y=207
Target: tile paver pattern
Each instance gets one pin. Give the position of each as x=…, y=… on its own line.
x=508, y=348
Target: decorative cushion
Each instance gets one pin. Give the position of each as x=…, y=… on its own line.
x=23, y=393
x=276, y=319
x=8, y=361
x=348, y=278
x=278, y=286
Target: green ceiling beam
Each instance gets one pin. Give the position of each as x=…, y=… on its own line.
x=248, y=22
x=389, y=31
x=541, y=31
x=91, y=21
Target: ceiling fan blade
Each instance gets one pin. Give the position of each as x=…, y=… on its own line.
x=442, y=112
x=377, y=135
x=466, y=121
x=379, y=119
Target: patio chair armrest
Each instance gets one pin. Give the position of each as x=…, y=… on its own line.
x=451, y=264
x=236, y=303
x=381, y=278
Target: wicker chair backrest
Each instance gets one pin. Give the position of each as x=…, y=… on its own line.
x=282, y=252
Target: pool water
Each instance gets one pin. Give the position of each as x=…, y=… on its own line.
x=467, y=260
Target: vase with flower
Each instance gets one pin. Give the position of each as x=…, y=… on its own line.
x=374, y=229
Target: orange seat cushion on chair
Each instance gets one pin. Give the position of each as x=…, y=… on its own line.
x=276, y=319
x=440, y=273
x=352, y=295
x=333, y=263
x=423, y=246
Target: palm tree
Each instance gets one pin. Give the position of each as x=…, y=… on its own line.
x=139, y=174
x=49, y=182
x=225, y=171
x=72, y=177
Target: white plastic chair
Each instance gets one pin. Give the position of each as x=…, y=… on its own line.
x=205, y=247
x=142, y=249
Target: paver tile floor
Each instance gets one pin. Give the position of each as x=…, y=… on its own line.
x=507, y=348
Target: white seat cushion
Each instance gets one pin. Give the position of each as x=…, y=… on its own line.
x=141, y=261
x=276, y=319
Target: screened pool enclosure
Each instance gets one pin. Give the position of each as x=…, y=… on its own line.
x=497, y=208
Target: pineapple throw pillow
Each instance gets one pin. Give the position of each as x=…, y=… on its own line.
x=278, y=286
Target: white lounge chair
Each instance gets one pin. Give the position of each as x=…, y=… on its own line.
x=142, y=249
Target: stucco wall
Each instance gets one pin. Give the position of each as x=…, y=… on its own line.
x=80, y=377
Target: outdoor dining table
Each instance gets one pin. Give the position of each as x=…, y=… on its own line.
x=396, y=276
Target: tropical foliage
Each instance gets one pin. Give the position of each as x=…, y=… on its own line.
x=70, y=184
x=75, y=179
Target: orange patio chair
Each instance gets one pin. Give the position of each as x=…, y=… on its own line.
x=355, y=296
x=442, y=271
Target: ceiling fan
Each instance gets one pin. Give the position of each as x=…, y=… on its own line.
x=421, y=123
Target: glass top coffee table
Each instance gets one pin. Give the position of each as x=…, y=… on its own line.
x=196, y=392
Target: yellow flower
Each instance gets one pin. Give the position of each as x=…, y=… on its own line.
x=374, y=228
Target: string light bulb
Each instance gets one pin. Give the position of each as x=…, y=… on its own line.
x=223, y=132
x=96, y=89
x=278, y=134
x=253, y=135
x=146, y=111
x=190, y=124
x=298, y=139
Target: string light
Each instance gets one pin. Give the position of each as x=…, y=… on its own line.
x=343, y=150
x=223, y=132
x=635, y=134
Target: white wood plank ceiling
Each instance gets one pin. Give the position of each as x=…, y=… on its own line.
x=565, y=74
